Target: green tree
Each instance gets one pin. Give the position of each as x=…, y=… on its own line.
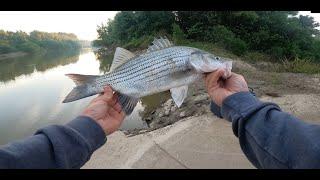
x=281, y=34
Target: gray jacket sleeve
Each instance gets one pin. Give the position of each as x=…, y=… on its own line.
x=55, y=146
x=269, y=137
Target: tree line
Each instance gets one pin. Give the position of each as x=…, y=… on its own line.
x=279, y=34
x=36, y=41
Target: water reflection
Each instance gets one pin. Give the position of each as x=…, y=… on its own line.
x=105, y=59
x=11, y=68
x=33, y=87
x=32, y=99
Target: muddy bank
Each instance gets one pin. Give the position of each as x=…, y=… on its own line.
x=12, y=55
x=265, y=84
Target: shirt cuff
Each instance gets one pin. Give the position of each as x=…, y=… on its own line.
x=239, y=104
x=90, y=130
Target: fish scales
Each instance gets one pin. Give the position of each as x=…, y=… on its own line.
x=141, y=62
x=144, y=68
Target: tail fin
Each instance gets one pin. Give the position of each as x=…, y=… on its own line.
x=81, y=90
x=77, y=93
x=80, y=79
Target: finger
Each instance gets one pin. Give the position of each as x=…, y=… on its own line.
x=107, y=88
x=239, y=76
x=112, y=101
x=117, y=107
x=97, y=98
x=212, y=78
x=115, y=114
x=107, y=94
x=115, y=103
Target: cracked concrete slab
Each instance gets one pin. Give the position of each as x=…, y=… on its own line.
x=195, y=142
x=156, y=158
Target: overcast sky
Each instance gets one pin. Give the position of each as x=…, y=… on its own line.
x=82, y=23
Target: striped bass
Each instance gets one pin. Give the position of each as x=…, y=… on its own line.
x=163, y=67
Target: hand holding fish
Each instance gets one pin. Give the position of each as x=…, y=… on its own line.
x=219, y=88
x=106, y=111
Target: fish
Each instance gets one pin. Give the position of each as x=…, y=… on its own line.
x=163, y=67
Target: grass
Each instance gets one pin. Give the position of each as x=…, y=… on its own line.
x=275, y=78
x=299, y=66
x=254, y=57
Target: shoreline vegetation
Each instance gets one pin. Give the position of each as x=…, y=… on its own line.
x=12, y=55
x=19, y=43
x=284, y=40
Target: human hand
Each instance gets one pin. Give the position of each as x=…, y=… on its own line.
x=219, y=89
x=106, y=111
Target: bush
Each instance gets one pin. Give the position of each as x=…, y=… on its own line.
x=219, y=33
x=279, y=34
x=29, y=47
x=226, y=38
x=37, y=41
x=196, y=32
x=5, y=48
x=177, y=34
x=276, y=52
x=316, y=50
x=237, y=46
x=141, y=43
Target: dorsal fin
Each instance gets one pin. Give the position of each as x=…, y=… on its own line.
x=121, y=56
x=160, y=43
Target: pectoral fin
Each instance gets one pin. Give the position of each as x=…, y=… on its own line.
x=178, y=94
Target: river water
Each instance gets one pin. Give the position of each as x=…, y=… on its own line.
x=32, y=89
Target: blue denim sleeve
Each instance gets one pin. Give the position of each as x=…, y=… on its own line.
x=55, y=146
x=269, y=137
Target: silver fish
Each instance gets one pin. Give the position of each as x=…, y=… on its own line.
x=163, y=67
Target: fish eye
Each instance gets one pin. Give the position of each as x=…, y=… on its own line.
x=217, y=58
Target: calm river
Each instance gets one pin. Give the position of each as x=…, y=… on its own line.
x=32, y=89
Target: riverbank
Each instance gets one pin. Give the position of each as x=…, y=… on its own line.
x=12, y=55
x=264, y=83
x=192, y=137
